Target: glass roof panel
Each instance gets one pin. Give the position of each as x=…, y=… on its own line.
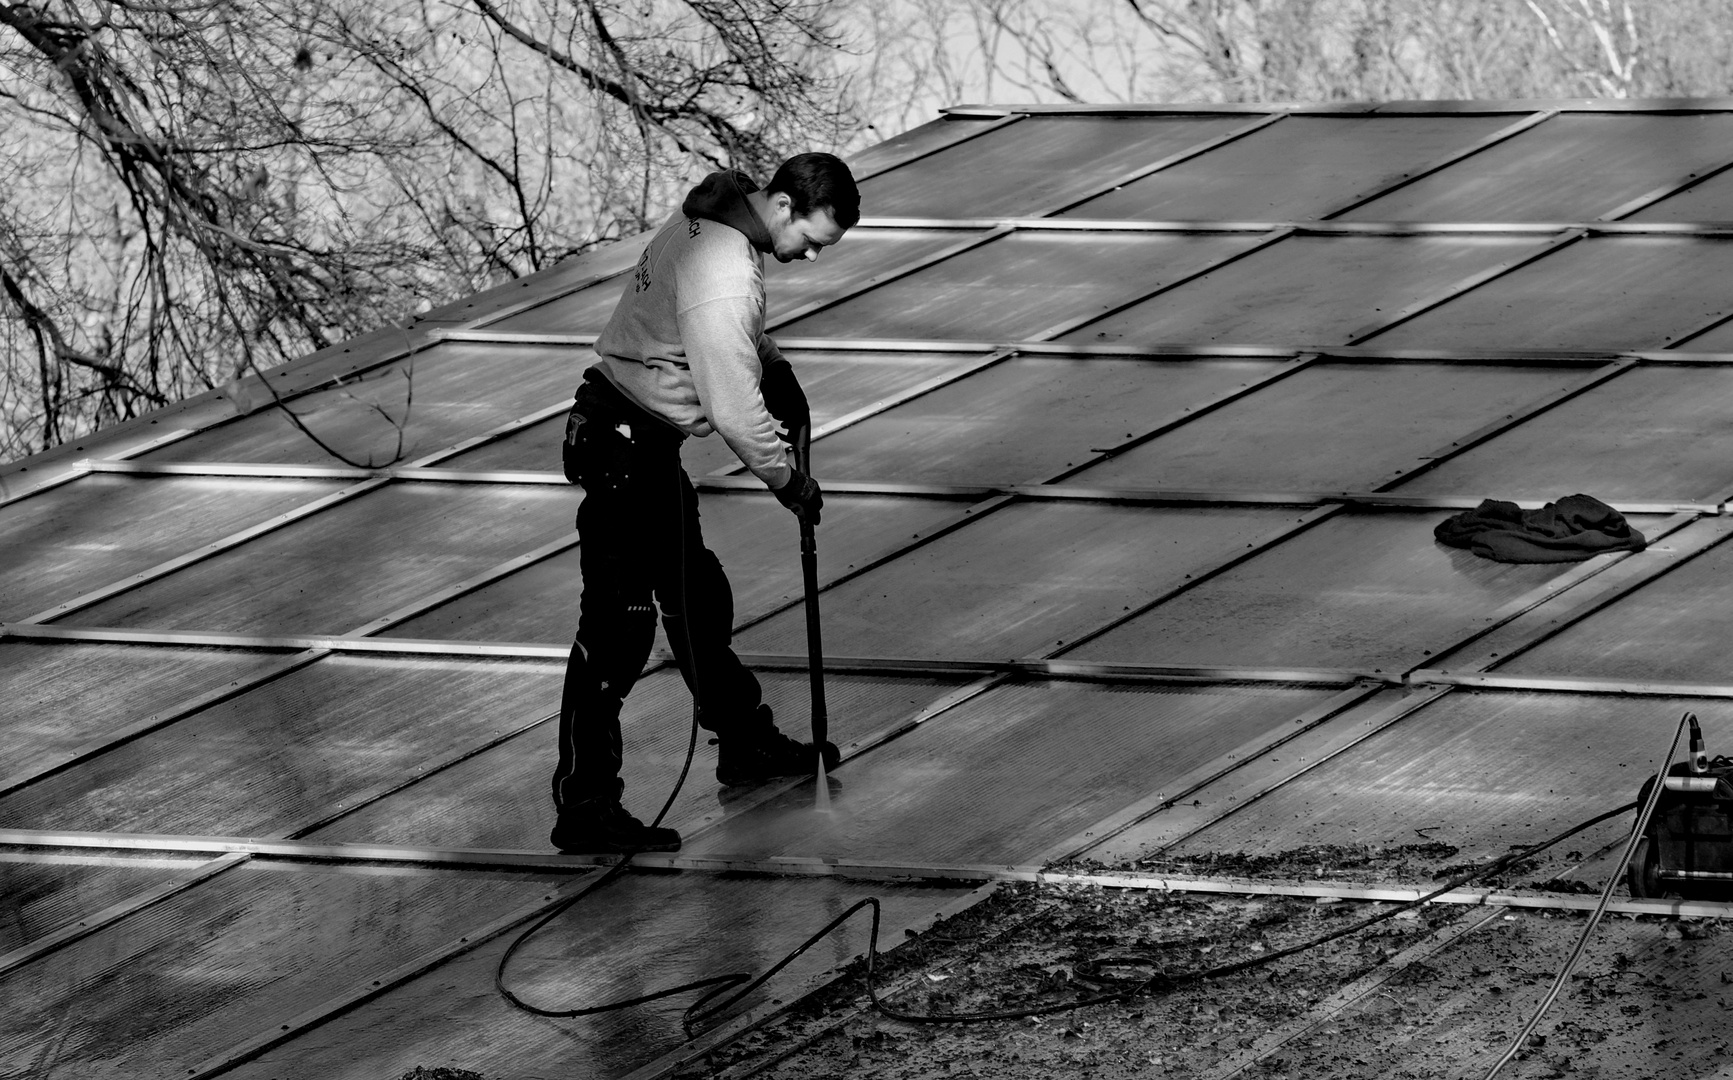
x=863, y=254
x=1026, y=419
x=583, y=312
x=400, y=411
x=1034, y=576
x=836, y=383
x=756, y=539
x=1307, y=290
x=916, y=142
x=1035, y=165
x=499, y=798
x=209, y=969
x=46, y=890
x=1008, y=775
x=1479, y=771
x=1716, y=339
x=1330, y=427
x=641, y=933
x=285, y=754
x=1673, y=629
x=1651, y=434
x=1573, y=167
x=1711, y=200
x=102, y=528
x=1299, y=168
x=1359, y=591
x=1021, y=285
x=1600, y=294
x=59, y=696
x=334, y=571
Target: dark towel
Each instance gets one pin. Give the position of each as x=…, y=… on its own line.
x=1570, y=530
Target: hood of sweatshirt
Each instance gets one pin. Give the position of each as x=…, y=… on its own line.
x=722, y=197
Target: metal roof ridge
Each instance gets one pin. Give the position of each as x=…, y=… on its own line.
x=1395, y=106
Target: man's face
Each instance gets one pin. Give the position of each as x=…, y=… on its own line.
x=800, y=237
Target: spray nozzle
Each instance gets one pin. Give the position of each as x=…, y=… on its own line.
x=1699, y=755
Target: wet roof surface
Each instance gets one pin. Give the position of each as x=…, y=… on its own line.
x=1134, y=428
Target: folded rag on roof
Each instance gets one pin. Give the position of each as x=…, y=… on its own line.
x=1570, y=530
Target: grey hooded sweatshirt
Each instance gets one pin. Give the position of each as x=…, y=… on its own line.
x=687, y=341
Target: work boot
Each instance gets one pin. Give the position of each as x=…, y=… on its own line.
x=758, y=751
x=602, y=827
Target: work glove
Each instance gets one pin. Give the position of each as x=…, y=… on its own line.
x=801, y=495
x=785, y=399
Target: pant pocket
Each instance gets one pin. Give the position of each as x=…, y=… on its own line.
x=596, y=455
x=569, y=449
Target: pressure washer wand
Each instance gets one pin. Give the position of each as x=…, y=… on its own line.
x=814, y=650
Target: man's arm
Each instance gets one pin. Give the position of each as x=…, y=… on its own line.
x=782, y=393
x=726, y=371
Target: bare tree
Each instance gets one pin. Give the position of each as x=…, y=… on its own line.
x=191, y=190
x=1108, y=51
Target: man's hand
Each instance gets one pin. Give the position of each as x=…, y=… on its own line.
x=801, y=495
x=785, y=399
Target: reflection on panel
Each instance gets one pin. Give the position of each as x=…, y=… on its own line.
x=335, y=571
x=1483, y=772
x=1307, y=290
x=46, y=889
x=1711, y=200
x=101, y=529
x=535, y=448
x=863, y=253
x=641, y=933
x=583, y=312
x=1026, y=419
x=1020, y=286
x=284, y=755
x=1006, y=776
x=756, y=539
x=1331, y=427
x=1599, y=294
x=1302, y=167
x=1362, y=591
x=1717, y=339
x=57, y=697
x=859, y=259
x=399, y=412
x=1573, y=167
x=209, y=969
x=836, y=383
x=1036, y=165
x=1674, y=628
x=1652, y=434
x=915, y=143
x=598, y=265
x=1021, y=581
x=500, y=799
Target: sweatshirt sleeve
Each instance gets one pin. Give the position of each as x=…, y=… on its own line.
x=720, y=285
x=768, y=353
x=726, y=370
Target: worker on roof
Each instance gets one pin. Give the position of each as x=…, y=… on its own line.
x=685, y=353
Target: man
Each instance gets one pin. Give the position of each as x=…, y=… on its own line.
x=685, y=353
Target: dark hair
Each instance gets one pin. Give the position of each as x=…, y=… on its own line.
x=818, y=182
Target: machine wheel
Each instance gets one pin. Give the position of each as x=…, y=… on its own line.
x=1642, y=875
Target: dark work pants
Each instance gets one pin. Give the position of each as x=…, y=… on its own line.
x=639, y=541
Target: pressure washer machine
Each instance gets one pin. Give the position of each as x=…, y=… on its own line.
x=1687, y=849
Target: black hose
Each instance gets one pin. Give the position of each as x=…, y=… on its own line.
x=717, y=985
x=1163, y=981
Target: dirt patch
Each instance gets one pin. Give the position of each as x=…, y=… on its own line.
x=1436, y=992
